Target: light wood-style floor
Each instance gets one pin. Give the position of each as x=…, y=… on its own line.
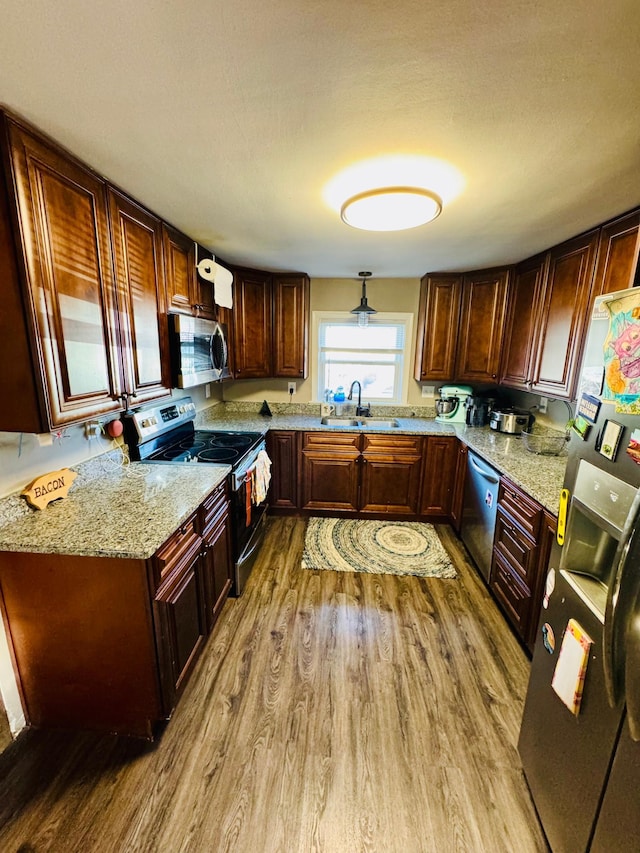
x=330, y=712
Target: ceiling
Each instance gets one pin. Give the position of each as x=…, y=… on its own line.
x=229, y=119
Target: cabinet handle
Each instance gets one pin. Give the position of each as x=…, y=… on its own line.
x=184, y=529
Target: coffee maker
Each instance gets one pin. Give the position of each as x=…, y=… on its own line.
x=478, y=410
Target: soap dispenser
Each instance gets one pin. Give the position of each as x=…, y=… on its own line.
x=338, y=399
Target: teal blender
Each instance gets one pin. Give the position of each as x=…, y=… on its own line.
x=450, y=405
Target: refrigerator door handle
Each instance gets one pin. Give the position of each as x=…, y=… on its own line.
x=622, y=593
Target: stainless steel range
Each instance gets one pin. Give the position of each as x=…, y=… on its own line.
x=166, y=433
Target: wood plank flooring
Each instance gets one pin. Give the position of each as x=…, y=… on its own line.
x=332, y=713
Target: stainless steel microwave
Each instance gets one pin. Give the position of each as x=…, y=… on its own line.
x=199, y=351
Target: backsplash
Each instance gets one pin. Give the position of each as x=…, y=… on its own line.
x=313, y=409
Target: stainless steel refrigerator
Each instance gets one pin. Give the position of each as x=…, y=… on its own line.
x=580, y=735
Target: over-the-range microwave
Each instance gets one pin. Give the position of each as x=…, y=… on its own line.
x=199, y=351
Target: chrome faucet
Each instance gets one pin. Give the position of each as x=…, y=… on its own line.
x=360, y=409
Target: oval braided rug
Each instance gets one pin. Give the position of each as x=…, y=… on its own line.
x=378, y=547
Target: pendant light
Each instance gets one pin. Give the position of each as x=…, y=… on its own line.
x=363, y=310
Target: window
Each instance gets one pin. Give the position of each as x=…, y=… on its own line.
x=372, y=354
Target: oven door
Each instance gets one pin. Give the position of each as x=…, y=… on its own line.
x=247, y=522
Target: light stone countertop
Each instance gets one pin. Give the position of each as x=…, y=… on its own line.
x=540, y=476
x=113, y=511
x=130, y=511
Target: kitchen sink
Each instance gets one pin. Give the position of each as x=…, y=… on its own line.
x=340, y=422
x=380, y=423
x=375, y=423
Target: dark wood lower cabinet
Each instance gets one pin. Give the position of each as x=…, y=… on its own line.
x=390, y=474
x=330, y=482
x=180, y=624
x=439, y=476
x=283, y=450
x=108, y=643
x=523, y=537
x=457, y=497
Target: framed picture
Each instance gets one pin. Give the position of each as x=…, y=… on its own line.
x=611, y=434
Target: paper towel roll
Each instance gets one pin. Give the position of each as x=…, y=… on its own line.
x=207, y=269
x=222, y=290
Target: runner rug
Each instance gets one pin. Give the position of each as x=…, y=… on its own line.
x=378, y=547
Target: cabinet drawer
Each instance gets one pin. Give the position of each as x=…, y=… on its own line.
x=515, y=548
x=393, y=444
x=174, y=550
x=214, y=505
x=331, y=441
x=522, y=509
x=511, y=594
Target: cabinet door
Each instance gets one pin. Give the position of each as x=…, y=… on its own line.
x=291, y=326
x=180, y=267
x=617, y=255
x=330, y=476
x=282, y=447
x=564, y=315
x=205, y=305
x=481, y=325
x=252, y=325
x=217, y=566
x=438, y=476
x=511, y=594
x=179, y=606
x=438, y=315
x=137, y=242
x=390, y=474
x=329, y=482
x=520, y=338
x=73, y=358
x=458, y=489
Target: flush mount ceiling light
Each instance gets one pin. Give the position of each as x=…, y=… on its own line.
x=363, y=310
x=391, y=208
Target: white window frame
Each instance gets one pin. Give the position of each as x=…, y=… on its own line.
x=402, y=364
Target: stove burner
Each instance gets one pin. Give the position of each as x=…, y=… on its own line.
x=172, y=453
x=218, y=454
x=190, y=444
x=239, y=441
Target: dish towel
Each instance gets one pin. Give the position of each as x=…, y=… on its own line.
x=262, y=476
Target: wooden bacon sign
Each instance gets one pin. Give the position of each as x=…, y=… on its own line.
x=49, y=487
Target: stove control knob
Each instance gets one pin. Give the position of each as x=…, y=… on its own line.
x=146, y=423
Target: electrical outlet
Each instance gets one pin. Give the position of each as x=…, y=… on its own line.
x=428, y=390
x=544, y=402
x=92, y=428
x=207, y=390
x=291, y=387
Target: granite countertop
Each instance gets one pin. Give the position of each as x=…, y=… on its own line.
x=540, y=476
x=130, y=511
x=119, y=511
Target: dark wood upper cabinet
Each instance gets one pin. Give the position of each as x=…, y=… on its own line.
x=291, y=326
x=482, y=314
x=270, y=325
x=252, y=324
x=563, y=315
x=617, y=255
x=520, y=338
x=180, y=268
x=440, y=297
x=59, y=331
x=137, y=245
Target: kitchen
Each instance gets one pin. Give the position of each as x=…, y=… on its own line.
x=387, y=293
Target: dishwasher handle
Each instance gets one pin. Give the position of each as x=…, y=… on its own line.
x=486, y=474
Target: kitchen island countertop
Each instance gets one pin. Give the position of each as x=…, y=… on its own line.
x=111, y=511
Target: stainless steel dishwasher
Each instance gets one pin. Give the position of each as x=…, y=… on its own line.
x=479, y=511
